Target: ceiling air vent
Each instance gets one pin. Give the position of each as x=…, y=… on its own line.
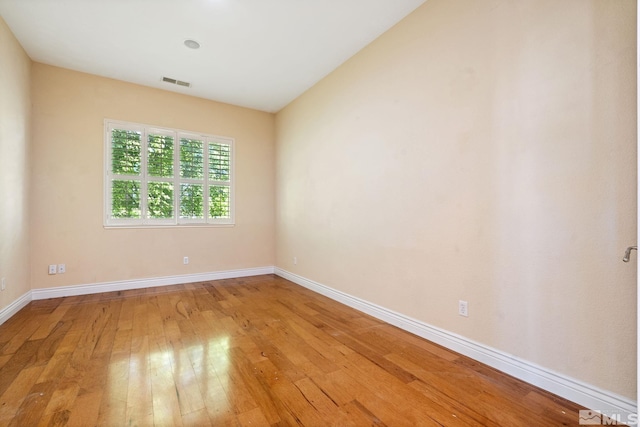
x=176, y=82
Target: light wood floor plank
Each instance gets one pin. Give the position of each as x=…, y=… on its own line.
x=17, y=393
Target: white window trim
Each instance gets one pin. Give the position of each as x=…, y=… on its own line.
x=144, y=179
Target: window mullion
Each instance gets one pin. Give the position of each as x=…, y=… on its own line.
x=144, y=182
x=108, y=199
x=205, y=183
x=176, y=178
x=122, y=176
x=108, y=187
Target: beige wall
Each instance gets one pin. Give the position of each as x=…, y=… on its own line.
x=15, y=116
x=69, y=109
x=485, y=151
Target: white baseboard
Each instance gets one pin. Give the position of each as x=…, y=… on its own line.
x=14, y=307
x=124, y=285
x=577, y=391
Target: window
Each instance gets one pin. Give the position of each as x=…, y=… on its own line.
x=166, y=177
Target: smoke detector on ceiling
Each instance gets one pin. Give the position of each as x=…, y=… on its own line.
x=192, y=44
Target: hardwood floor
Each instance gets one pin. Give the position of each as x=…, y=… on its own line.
x=255, y=351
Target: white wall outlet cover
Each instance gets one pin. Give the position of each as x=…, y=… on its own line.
x=52, y=269
x=463, y=308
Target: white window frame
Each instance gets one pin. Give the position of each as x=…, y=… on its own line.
x=176, y=180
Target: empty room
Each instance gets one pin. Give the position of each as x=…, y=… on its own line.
x=318, y=213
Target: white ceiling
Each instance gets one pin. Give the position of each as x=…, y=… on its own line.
x=260, y=54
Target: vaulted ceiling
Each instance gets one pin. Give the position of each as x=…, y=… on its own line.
x=259, y=54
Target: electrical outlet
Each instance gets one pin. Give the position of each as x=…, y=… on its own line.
x=62, y=268
x=53, y=269
x=463, y=308
x=185, y=260
x=295, y=260
x=3, y=286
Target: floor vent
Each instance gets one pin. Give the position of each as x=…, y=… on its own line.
x=176, y=82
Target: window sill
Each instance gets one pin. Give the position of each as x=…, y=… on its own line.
x=171, y=226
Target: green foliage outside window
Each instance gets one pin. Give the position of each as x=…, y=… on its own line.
x=191, y=201
x=160, y=156
x=125, y=199
x=219, y=206
x=191, y=158
x=125, y=152
x=160, y=200
x=219, y=162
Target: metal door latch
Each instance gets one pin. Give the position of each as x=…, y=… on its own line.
x=627, y=253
